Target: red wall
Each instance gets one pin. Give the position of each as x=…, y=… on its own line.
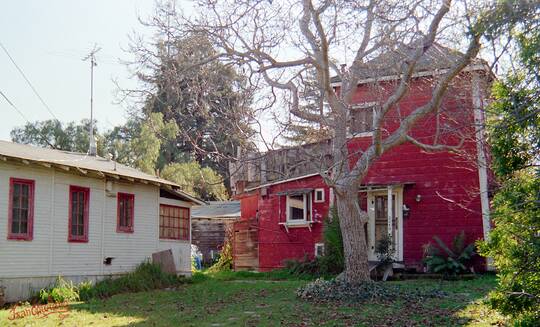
x=275, y=243
x=249, y=205
x=446, y=182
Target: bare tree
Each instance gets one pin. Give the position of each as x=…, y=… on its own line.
x=281, y=41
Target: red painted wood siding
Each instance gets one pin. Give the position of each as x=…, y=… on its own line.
x=446, y=182
x=276, y=244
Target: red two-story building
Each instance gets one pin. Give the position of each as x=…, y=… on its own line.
x=413, y=193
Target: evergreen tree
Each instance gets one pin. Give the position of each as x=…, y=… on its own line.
x=514, y=135
x=208, y=100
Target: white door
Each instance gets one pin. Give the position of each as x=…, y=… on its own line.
x=379, y=224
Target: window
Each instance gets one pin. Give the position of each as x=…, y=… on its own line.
x=298, y=208
x=79, y=198
x=173, y=222
x=124, y=223
x=21, y=209
x=319, y=195
x=319, y=249
x=361, y=119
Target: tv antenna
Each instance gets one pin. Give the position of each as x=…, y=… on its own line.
x=92, y=57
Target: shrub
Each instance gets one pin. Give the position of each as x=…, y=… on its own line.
x=225, y=261
x=147, y=276
x=514, y=246
x=85, y=290
x=331, y=262
x=61, y=291
x=385, y=250
x=455, y=259
x=305, y=267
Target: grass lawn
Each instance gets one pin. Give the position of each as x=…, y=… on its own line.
x=255, y=300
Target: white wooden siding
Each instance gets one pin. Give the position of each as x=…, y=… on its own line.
x=181, y=249
x=26, y=258
x=50, y=253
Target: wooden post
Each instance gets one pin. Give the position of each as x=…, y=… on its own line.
x=390, y=213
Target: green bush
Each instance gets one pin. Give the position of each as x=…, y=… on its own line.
x=147, y=276
x=225, y=261
x=331, y=262
x=514, y=246
x=385, y=250
x=305, y=267
x=455, y=259
x=62, y=291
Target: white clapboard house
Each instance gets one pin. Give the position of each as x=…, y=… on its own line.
x=83, y=217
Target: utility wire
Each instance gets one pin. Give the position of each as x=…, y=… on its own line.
x=13, y=106
x=27, y=81
x=43, y=136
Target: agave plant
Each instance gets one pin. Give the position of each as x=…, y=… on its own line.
x=455, y=258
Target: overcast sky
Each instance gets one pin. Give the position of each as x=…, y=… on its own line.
x=48, y=39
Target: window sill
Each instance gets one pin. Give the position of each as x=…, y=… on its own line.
x=177, y=240
x=78, y=240
x=359, y=135
x=124, y=231
x=19, y=238
x=299, y=224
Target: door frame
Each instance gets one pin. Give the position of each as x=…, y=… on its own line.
x=397, y=191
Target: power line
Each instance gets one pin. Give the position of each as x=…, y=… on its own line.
x=44, y=137
x=28, y=81
x=13, y=106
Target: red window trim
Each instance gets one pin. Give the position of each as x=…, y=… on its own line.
x=188, y=228
x=131, y=198
x=86, y=190
x=29, y=235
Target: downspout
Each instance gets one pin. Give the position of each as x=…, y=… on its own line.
x=481, y=161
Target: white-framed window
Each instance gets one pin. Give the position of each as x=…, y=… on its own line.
x=361, y=119
x=319, y=249
x=319, y=195
x=298, y=208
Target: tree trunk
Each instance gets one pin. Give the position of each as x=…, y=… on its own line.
x=352, y=221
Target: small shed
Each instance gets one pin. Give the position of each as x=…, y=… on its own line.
x=210, y=224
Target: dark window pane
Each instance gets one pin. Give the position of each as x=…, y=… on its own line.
x=122, y=213
x=23, y=215
x=25, y=190
x=16, y=195
x=24, y=227
x=296, y=207
x=15, y=227
x=16, y=215
x=74, y=205
x=297, y=214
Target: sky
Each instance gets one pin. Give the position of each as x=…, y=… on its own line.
x=47, y=40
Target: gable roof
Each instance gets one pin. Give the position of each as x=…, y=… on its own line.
x=389, y=63
x=83, y=163
x=217, y=209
